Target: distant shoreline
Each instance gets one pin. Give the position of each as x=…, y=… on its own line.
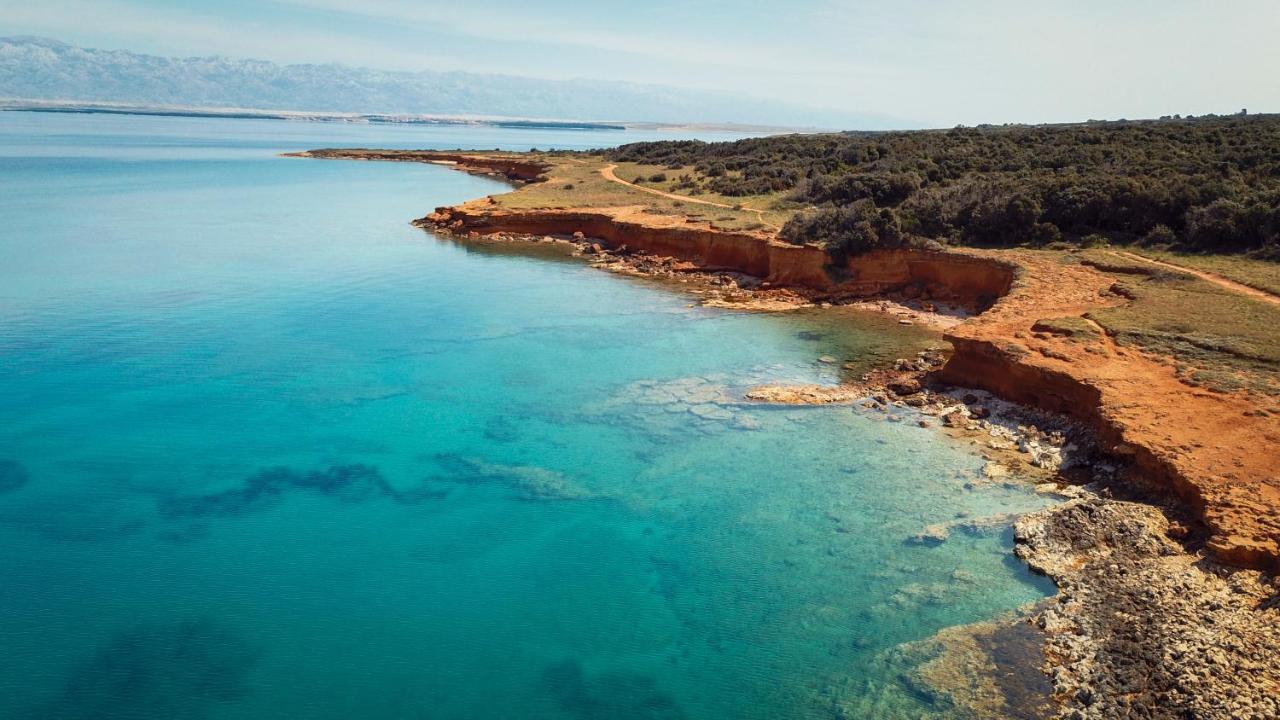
x=240, y=114
x=106, y=108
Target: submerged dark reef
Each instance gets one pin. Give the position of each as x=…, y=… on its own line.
x=109, y=514
x=356, y=483
x=347, y=483
x=608, y=695
x=526, y=482
x=12, y=476
x=179, y=671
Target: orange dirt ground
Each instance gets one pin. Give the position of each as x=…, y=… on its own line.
x=1212, y=449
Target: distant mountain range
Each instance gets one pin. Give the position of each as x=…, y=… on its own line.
x=45, y=69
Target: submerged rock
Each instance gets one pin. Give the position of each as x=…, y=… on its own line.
x=187, y=669
x=528, y=482
x=12, y=476
x=803, y=394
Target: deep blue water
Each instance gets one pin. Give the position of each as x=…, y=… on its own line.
x=267, y=451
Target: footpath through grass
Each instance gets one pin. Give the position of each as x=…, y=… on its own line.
x=1215, y=338
x=575, y=181
x=1261, y=274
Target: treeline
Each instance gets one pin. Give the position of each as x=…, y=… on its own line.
x=1209, y=184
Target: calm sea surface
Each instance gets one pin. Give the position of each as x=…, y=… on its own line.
x=267, y=451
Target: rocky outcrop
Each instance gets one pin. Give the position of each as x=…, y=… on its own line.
x=1139, y=627
x=978, y=280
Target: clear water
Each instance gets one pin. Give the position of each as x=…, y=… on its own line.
x=268, y=451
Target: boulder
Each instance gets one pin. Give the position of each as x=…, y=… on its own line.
x=906, y=386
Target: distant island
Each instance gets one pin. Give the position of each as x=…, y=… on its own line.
x=88, y=108
x=253, y=114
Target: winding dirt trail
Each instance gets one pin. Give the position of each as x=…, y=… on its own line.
x=607, y=173
x=1214, y=278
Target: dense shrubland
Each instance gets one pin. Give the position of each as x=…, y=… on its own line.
x=1207, y=184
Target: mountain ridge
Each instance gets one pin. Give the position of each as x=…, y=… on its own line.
x=40, y=68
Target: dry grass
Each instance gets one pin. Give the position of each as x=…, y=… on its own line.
x=1261, y=274
x=575, y=181
x=774, y=209
x=1215, y=337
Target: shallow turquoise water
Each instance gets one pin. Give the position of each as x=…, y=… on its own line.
x=267, y=451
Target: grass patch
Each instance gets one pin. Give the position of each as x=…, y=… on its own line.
x=591, y=190
x=1216, y=338
x=686, y=180
x=1261, y=274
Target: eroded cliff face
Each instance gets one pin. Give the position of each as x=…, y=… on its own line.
x=978, y=280
x=751, y=253
x=964, y=277
x=1212, y=451
x=1204, y=448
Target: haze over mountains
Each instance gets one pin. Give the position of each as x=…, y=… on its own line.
x=45, y=69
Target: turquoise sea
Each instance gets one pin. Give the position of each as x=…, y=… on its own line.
x=267, y=451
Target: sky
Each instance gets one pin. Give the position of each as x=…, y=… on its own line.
x=932, y=62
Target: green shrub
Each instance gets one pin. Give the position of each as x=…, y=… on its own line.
x=846, y=230
x=1160, y=235
x=1209, y=184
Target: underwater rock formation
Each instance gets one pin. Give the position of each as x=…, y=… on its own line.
x=528, y=483
x=346, y=483
x=608, y=695
x=12, y=476
x=181, y=671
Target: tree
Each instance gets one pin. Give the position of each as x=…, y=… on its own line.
x=846, y=230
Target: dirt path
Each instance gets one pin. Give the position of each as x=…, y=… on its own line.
x=607, y=173
x=1214, y=278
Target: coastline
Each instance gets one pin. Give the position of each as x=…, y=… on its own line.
x=1222, y=520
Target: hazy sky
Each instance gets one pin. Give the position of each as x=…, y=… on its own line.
x=933, y=62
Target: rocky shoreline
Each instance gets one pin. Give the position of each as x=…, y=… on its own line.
x=1140, y=627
